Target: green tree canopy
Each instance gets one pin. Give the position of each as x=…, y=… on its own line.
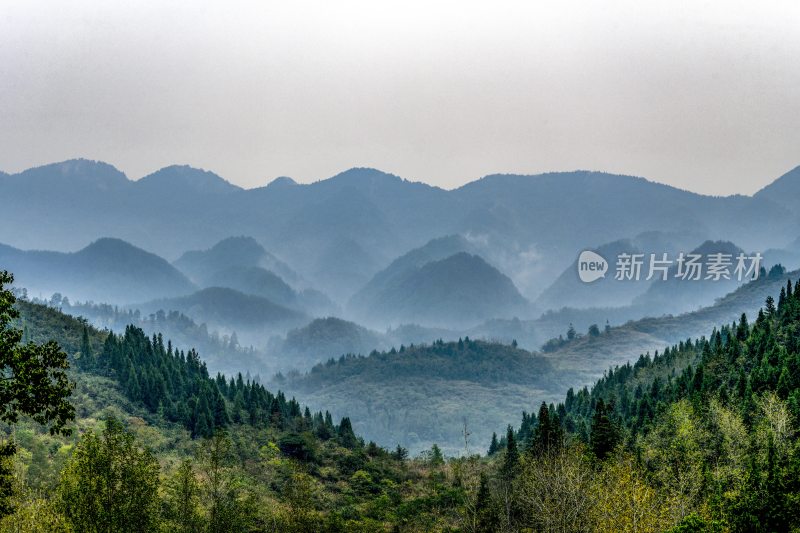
x=110, y=484
x=33, y=380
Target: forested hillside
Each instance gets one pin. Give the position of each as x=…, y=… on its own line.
x=221, y=352
x=703, y=434
x=161, y=445
x=422, y=395
x=699, y=437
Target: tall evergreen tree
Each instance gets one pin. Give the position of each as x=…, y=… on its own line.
x=604, y=435
x=493, y=445
x=511, y=459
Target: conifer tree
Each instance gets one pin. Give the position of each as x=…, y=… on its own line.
x=604, y=435
x=493, y=445
x=511, y=459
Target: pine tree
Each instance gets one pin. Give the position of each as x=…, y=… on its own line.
x=346, y=436
x=436, y=456
x=571, y=333
x=604, y=435
x=548, y=435
x=493, y=445
x=485, y=521
x=511, y=459
x=87, y=357
x=770, y=303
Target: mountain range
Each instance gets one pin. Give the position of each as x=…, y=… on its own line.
x=339, y=232
x=417, y=395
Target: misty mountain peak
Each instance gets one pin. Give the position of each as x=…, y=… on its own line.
x=364, y=176
x=180, y=178
x=709, y=247
x=241, y=245
x=784, y=190
x=77, y=171
x=109, y=243
x=116, y=250
x=230, y=252
x=281, y=182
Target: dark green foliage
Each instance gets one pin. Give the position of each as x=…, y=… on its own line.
x=511, y=457
x=301, y=446
x=697, y=524
x=226, y=510
x=746, y=359
x=436, y=456
x=221, y=351
x=34, y=381
x=153, y=374
x=177, y=385
x=346, y=435
x=7, y=451
x=604, y=435
x=548, y=435
x=735, y=368
x=467, y=359
x=400, y=453
x=493, y=446
x=280, y=467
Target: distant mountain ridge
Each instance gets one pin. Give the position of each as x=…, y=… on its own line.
x=459, y=289
x=106, y=270
x=179, y=178
x=254, y=318
x=784, y=190
x=232, y=253
x=672, y=295
x=434, y=250
x=531, y=226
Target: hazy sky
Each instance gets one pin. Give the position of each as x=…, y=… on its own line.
x=701, y=95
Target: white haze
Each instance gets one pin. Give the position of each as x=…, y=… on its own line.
x=701, y=95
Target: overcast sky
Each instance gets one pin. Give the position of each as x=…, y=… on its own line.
x=701, y=95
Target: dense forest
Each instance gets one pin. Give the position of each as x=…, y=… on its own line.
x=123, y=432
x=703, y=435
